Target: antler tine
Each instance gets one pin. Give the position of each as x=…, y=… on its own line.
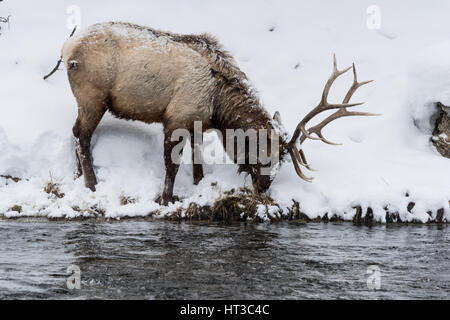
x=300, y=157
x=303, y=157
x=317, y=129
x=297, y=167
x=354, y=86
x=336, y=73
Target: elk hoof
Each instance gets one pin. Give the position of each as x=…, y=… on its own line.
x=91, y=187
x=197, y=173
x=90, y=183
x=77, y=173
x=165, y=200
x=197, y=179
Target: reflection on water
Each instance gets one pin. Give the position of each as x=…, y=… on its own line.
x=163, y=260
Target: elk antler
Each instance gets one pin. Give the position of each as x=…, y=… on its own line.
x=298, y=157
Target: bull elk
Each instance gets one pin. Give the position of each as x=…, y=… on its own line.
x=139, y=73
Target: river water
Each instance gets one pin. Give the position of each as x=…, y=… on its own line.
x=138, y=259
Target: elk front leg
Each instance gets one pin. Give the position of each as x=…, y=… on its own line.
x=172, y=166
x=197, y=167
x=83, y=129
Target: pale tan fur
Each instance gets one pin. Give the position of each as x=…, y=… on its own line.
x=144, y=75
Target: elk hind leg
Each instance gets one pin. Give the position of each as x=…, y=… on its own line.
x=172, y=166
x=89, y=116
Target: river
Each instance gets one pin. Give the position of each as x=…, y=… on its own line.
x=140, y=259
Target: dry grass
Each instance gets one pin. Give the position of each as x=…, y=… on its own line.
x=243, y=205
x=233, y=205
x=95, y=210
x=52, y=188
x=17, y=208
x=124, y=200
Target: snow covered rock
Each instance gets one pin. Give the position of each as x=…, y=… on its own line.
x=441, y=132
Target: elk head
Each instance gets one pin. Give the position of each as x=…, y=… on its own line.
x=301, y=133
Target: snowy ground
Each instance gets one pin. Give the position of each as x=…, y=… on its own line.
x=381, y=159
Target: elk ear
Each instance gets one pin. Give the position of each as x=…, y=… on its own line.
x=282, y=131
x=277, y=118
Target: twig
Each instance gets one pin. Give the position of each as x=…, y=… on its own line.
x=60, y=59
x=5, y=20
x=15, y=179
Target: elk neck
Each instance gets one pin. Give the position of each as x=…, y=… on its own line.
x=236, y=106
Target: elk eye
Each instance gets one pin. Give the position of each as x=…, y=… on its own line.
x=73, y=65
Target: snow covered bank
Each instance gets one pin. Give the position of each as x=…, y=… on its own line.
x=286, y=50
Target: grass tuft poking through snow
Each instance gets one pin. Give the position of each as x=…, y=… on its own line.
x=52, y=188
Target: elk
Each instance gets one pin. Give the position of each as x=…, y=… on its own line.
x=139, y=73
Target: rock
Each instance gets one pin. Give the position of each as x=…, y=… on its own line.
x=294, y=212
x=441, y=132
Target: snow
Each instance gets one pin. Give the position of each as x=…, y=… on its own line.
x=381, y=159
